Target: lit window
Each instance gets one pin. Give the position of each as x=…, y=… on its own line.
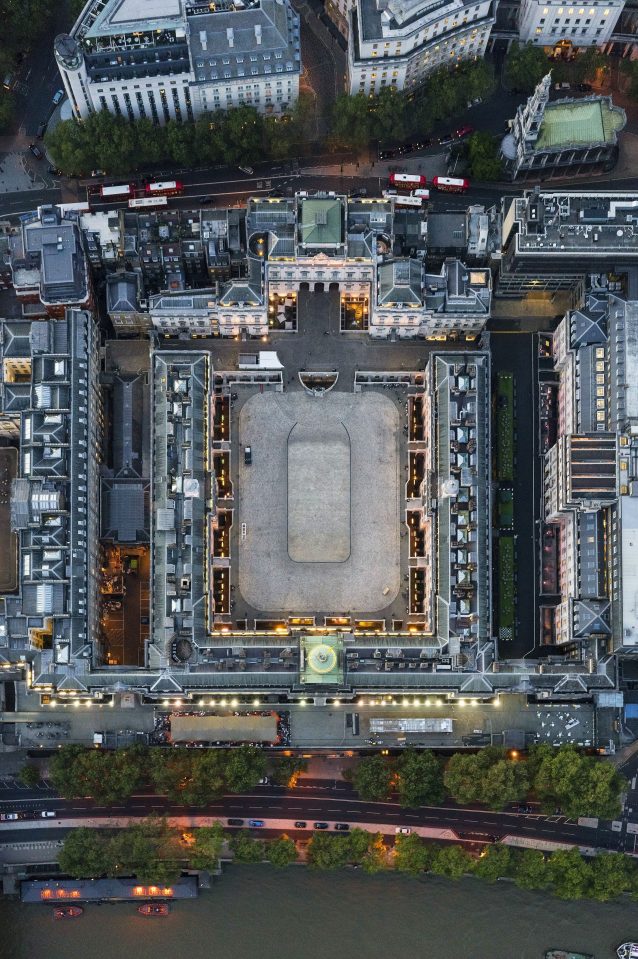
x=545, y=9
x=606, y=13
x=570, y=11
x=560, y=9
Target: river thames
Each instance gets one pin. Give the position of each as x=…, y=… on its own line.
x=257, y=912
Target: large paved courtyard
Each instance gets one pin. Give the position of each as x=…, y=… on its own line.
x=320, y=503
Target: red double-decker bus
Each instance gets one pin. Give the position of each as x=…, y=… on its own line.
x=407, y=181
x=450, y=184
x=164, y=188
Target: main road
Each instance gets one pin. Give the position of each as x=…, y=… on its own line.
x=310, y=803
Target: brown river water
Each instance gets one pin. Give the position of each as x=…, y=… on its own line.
x=257, y=912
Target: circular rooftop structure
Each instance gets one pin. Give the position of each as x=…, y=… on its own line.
x=322, y=659
x=67, y=51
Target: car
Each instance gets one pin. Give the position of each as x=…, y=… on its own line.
x=584, y=87
x=571, y=723
x=446, y=138
x=41, y=131
x=58, y=96
x=264, y=781
x=524, y=808
x=464, y=131
x=54, y=171
x=48, y=813
x=255, y=823
x=320, y=825
x=342, y=826
x=562, y=86
x=248, y=170
x=206, y=199
x=235, y=822
x=248, y=455
x=36, y=151
x=357, y=194
x=98, y=173
x=301, y=824
x=403, y=831
x=8, y=816
x=276, y=194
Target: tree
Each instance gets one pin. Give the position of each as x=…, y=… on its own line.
x=247, y=849
x=328, y=852
x=281, y=852
x=630, y=70
x=29, y=775
x=494, y=863
x=245, y=766
x=451, y=861
x=351, y=121
x=483, y=158
x=359, y=842
x=85, y=854
x=611, y=874
x=169, y=771
x=570, y=874
x=420, y=779
x=62, y=771
x=207, y=846
x=531, y=870
x=580, y=785
x=411, y=854
x=376, y=856
x=504, y=782
x=525, y=67
x=461, y=778
x=372, y=778
x=7, y=106
x=389, y=111
x=286, y=769
x=206, y=777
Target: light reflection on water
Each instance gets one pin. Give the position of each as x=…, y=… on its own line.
x=262, y=913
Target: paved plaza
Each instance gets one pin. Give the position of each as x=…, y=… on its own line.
x=320, y=503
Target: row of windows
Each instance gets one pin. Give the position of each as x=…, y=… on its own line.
x=581, y=11
x=442, y=26
x=239, y=59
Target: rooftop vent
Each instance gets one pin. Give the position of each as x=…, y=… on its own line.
x=230, y=36
x=258, y=34
x=203, y=39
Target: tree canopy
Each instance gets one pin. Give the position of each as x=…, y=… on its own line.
x=282, y=852
x=420, y=779
x=372, y=778
x=525, y=67
x=483, y=159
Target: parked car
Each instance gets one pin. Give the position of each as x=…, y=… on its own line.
x=8, y=816
x=54, y=171
x=571, y=723
x=464, y=131
x=342, y=826
x=403, y=830
x=98, y=173
x=357, y=194
x=48, y=814
x=36, y=151
x=248, y=455
x=58, y=96
x=264, y=781
x=320, y=825
x=248, y=170
x=446, y=139
x=255, y=823
x=235, y=822
x=301, y=824
x=41, y=131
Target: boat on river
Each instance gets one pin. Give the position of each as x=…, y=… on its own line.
x=153, y=909
x=565, y=954
x=67, y=912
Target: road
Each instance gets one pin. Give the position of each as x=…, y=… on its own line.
x=312, y=803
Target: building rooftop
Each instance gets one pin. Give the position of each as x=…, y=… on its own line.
x=568, y=224
x=320, y=222
x=568, y=122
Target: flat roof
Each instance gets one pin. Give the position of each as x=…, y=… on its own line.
x=585, y=121
x=226, y=729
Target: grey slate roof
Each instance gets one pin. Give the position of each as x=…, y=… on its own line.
x=230, y=44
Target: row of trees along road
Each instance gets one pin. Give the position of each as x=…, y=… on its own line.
x=579, y=785
x=189, y=776
x=155, y=852
x=243, y=135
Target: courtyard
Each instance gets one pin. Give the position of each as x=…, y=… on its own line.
x=320, y=502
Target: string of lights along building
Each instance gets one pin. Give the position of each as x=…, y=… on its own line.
x=179, y=59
